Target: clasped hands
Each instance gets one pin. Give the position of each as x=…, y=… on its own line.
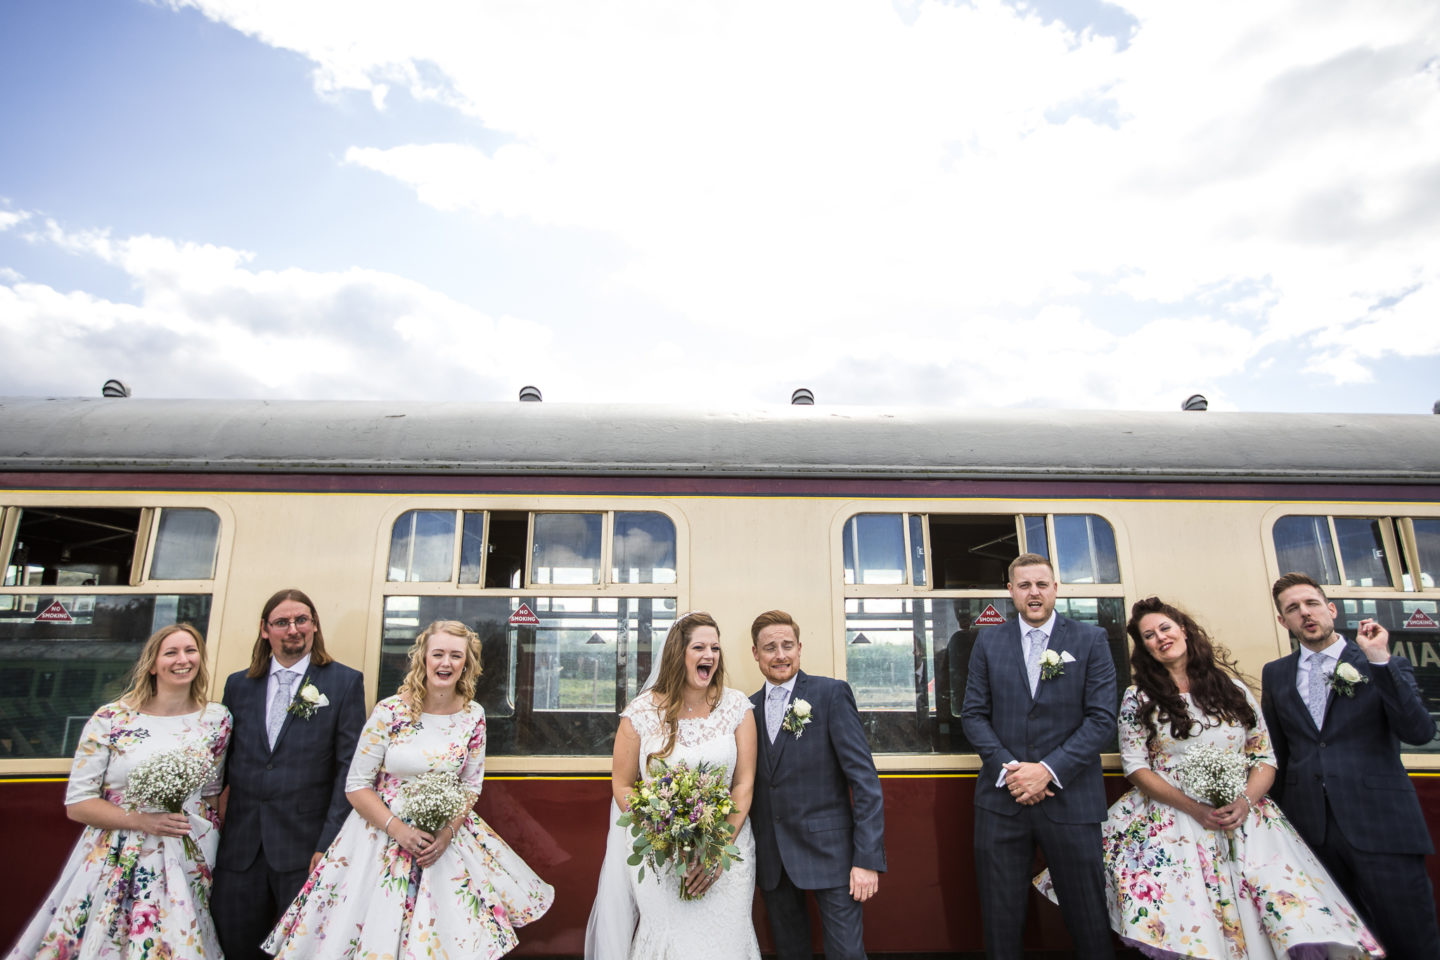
x=1028, y=783
x=424, y=847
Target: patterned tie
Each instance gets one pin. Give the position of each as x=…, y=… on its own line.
x=1318, y=694
x=1034, y=646
x=774, y=711
x=279, y=705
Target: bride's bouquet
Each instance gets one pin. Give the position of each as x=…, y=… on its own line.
x=678, y=818
x=1215, y=775
x=166, y=780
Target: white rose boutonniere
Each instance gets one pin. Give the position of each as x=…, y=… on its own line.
x=796, y=717
x=308, y=700
x=1051, y=666
x=1345, y=679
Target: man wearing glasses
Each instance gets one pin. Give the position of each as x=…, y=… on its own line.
x=297, y=715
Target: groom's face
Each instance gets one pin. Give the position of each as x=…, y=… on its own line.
x=1033, y=589
x=778, y=652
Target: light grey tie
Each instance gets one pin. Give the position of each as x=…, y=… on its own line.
x=774, y=711
x=279, y=705
x=1034, y=646
x=1318, y=693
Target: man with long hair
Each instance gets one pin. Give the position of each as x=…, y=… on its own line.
x=297, y=715
x=1337, y=710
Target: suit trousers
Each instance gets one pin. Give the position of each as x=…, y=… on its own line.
x=1004, y=868
x=1391, y=890
x=246, y=904
x=840, y=921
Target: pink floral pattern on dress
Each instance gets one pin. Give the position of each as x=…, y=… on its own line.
x=1172, y=889
x=125, y=894
x=369, y=900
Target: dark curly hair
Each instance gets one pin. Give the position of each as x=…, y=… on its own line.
x=1211, y=670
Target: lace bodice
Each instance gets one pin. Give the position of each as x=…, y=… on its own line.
x=709, y=740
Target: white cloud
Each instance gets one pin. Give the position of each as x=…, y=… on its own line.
x=205, y=322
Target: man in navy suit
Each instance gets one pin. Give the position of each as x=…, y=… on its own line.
x=297, y=716
x=1039, y=707
x=818, y=814
x=1337, y=712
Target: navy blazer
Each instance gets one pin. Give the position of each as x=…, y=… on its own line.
x=290, y=802
x=1354, y=759
x=818, y=809
x=1066, y=724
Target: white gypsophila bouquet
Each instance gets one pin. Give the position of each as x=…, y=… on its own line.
x=166, y=780
x=1214, y=775
x=431, y=800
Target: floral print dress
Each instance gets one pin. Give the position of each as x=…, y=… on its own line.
x=1173, y=889
x=368, y=899
x=126, y=894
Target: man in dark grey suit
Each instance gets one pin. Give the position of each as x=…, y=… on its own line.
x=818, y=814
x=1039, y=708
x=297, y=716
x=1337, y=711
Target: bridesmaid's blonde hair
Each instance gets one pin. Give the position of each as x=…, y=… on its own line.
x=412, y=688
x=142, y=682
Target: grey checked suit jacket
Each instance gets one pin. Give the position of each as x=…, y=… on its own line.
x=1354, y=759
x=818, y=809
x=290, y=801
x=1066, y=724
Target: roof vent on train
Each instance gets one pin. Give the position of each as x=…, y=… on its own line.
x=1197, y=402
x=1436, y=408
x=530, y=394
x=115, y=388
x=802, y=397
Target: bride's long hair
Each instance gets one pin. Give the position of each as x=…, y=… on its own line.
x=669, y=690
x=1209, y=667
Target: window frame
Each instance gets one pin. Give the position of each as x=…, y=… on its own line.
x=1397, y=535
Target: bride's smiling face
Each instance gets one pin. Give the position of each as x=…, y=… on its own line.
x=702, y=656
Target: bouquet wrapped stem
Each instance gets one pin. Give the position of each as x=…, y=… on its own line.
x=167, y=780
x=678, y=819
x=1215, y=775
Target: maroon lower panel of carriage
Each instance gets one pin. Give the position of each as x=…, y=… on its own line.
x=927, y=901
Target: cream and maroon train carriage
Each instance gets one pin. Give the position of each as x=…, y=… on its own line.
x=569, y=536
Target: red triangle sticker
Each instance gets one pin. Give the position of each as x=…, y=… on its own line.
x=55, y=613
x=524, y=617
x=989, y=616
x=1420, y=620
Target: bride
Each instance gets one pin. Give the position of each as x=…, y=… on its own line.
x=688, y=715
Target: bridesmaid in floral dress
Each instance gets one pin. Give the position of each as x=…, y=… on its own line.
x=386, y=889
x=132, y=887
x=1173, y=887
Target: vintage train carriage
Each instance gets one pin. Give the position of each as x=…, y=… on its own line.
x=569, y=536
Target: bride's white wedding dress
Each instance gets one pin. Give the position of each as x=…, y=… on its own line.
x=719, y=925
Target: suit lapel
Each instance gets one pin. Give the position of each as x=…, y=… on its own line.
x=1290, y=695
x=1014, y=647
x=307, y=677
x=763, y=740
x=1350, y=654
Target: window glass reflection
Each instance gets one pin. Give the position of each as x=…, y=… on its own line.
x=1427, y=538
x=1362, y=550
x=644, y=548
x=567, y=548
x=422, y=547
x=875, y=549
x=185, y=545
x=1302, y=545
x=1086, y=545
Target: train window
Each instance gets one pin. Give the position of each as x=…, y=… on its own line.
x=552, y=688
x=567, y=548
x=1427, y=546
x=907, y=657
x=562, y=549
x=186, y=541
x=422, y=546
x=63, y=655
x=644, y=548
x=1302, y=544
x=1362, y=551
x=1086, y=547
x=73, y=547
x=875, y=549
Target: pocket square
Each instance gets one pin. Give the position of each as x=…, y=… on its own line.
x=1066, y=656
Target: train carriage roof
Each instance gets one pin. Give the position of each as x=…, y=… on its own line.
x=227, y=436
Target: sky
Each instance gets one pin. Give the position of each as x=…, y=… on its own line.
x=992, y=203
